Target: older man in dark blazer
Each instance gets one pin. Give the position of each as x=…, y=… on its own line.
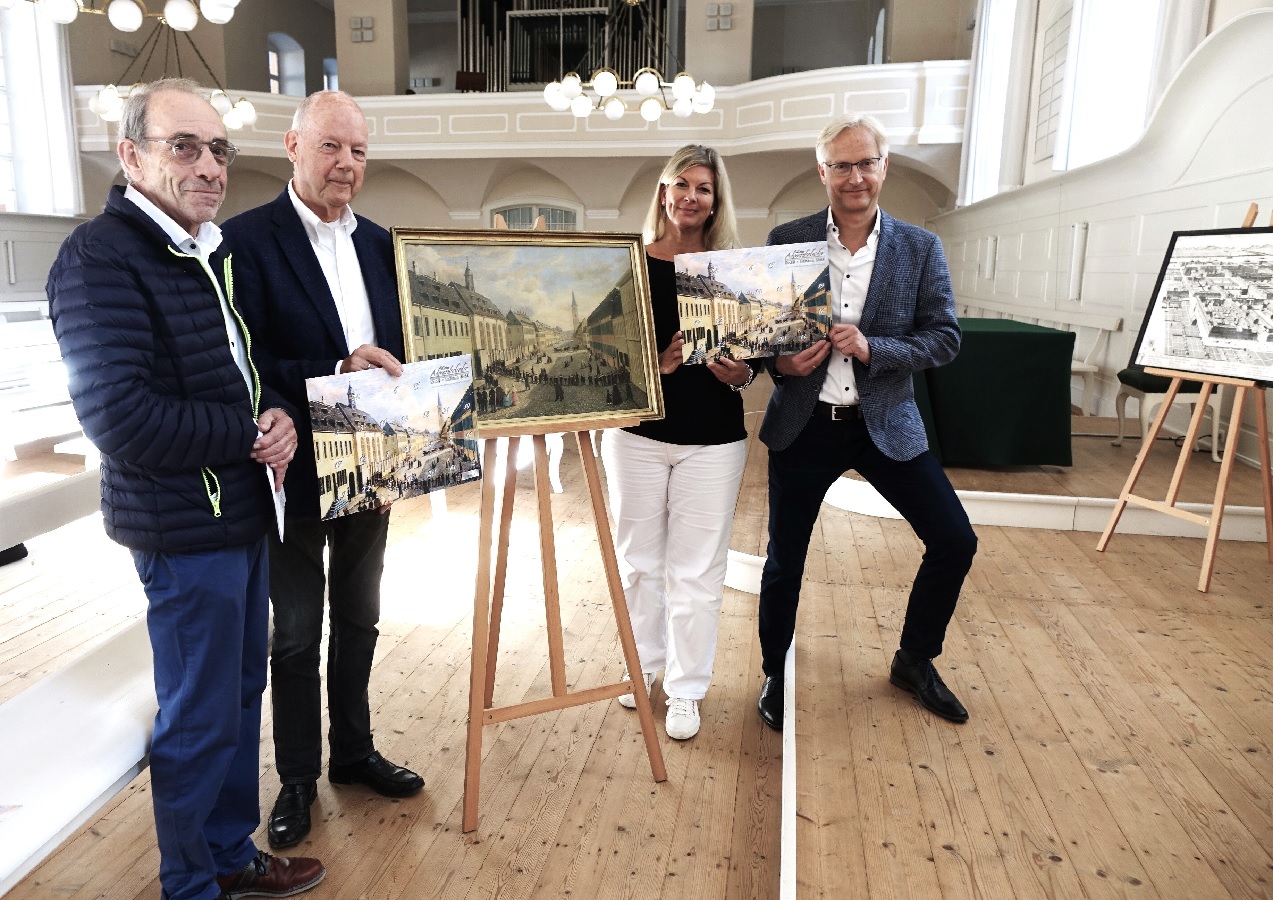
x=848, y=403
x=320, y=296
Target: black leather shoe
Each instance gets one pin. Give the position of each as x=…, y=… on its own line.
x=770, y=704
x=379, y=774
x=289, y=820
x=917, y=675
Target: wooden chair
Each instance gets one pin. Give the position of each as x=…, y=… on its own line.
x=1150, y=391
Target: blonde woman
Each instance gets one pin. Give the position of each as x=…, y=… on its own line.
x=674, y=482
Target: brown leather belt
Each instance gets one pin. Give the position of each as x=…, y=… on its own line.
x=837, y=413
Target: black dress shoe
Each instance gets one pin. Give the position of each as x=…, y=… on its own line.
x=379, y=774
x=917, y=675
x=770, y=704
x=289, y=820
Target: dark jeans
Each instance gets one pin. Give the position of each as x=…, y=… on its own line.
x=918, y=489
x=356, y=560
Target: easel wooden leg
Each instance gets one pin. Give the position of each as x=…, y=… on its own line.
x=1222, y=489
x=478, y=669
x=1262, y=434
x=501, y=567
x=620, y=603
x=1146, y=444
x=548, y=555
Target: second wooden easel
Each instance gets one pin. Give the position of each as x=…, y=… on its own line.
x=1168, y=504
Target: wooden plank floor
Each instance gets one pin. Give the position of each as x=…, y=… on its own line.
x=1119, y=742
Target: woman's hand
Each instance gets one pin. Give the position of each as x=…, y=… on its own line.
x=730, y=371
x=671, y=358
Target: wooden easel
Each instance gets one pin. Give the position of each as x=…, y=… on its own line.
x=1168, y=504
x=488, y=607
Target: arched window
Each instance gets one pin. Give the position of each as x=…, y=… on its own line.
x=557, y=218
x=331, y=80
x=286, y=59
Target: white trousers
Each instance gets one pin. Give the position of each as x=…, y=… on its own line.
x=673, y=506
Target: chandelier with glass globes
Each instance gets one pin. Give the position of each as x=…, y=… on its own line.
x=651, y=91
x=128, y=16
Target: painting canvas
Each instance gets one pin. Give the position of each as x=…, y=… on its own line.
x=1211, y=312
x=757, y=301
x=558, y=324
x=378, y=439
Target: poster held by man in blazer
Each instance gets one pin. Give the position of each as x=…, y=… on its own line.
x=322, y=296
x=848, y=403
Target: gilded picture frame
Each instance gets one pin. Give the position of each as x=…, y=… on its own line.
x=559, y=324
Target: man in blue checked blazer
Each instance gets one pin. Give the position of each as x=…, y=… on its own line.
x=848, y=403
x=320, y=295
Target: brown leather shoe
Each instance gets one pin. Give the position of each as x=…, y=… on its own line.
x=272, y=876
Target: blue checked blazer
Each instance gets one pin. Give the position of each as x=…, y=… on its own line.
x=909, y=321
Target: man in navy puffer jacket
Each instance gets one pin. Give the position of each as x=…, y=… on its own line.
x=163, y=382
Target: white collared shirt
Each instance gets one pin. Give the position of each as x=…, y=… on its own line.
x=850, y=279
x=201, y=246
x=333, y=244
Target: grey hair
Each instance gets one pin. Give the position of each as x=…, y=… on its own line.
x=722, y=228
x=869, y=124
x=317, y=98
x=134, y=118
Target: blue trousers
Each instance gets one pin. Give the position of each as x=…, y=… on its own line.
x=799, y=477
x=300, y=588
x=207, y=617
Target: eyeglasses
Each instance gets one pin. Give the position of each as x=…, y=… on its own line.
x=869, y=166
x=188, y=150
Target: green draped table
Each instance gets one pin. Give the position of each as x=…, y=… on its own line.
x=1004, y=400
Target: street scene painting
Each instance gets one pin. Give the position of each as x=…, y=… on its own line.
x=558, y=324
x=757, y=301
x=1211, y=312
x=378, y=439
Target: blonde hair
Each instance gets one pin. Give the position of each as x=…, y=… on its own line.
x=721, y=232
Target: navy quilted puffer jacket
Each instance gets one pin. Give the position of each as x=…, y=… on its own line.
x=156, y=387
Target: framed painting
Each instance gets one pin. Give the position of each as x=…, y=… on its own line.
x=1211, y=312
x=558, y=324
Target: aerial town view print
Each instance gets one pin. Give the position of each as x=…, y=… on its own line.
x=758, y=301
x=378, y=439
x=556, y=332
x=1212, y=312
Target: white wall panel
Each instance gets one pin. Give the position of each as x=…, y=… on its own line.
x=1203, y=158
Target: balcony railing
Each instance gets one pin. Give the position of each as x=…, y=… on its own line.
x=919, y=103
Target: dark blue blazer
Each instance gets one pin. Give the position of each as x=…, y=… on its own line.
x=296, y=331
x=909, y=321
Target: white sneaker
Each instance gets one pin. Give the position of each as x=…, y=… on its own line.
x=627, y=701
x=682, y=718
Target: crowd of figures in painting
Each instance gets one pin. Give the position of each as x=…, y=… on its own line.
x=525, y=368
